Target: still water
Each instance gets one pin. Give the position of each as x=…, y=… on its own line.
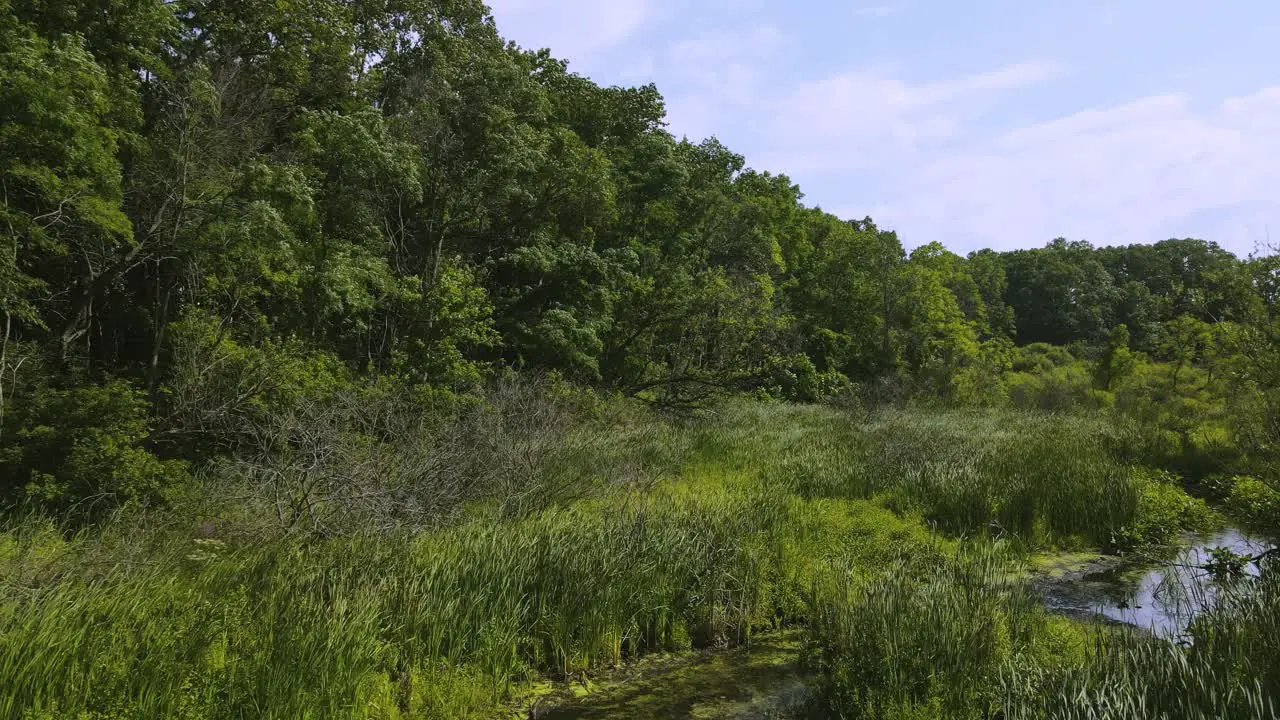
x=1163, y=598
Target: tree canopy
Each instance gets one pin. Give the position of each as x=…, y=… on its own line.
x=211, y=207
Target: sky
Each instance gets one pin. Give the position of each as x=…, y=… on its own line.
x=986, y=123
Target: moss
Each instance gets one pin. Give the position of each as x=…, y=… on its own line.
x=704, y=685
x=1061, y=565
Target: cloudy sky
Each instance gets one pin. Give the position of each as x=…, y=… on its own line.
x=987, y=123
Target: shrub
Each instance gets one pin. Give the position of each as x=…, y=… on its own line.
x=84, y=451
x=1255, y=501
x=1059, y=389
x=1165, y=510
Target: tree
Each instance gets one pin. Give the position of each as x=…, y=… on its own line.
x=1060, y=293
x=1117, y=361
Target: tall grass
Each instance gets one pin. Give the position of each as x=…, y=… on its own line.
x=964, y=639
x=1230, y=669
x=1046, y=479
x=634, y=536
x=375, y=625
x=920, y=642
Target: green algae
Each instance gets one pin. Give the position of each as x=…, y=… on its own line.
x=1064, y=565
x=755, y=681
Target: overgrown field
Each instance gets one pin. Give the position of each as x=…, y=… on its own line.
x=896, y=537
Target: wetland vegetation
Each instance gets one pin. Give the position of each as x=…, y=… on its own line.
x=356, y=363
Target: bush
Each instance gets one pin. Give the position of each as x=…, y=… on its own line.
x=1164, y=511
x=1041, y=358
x=83, y=451
x=1060, y=389
x=1255, y=502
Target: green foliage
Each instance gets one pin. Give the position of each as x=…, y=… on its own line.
x=983, y=381
x=1117, y=361
x=84, y=450
x=208, y=191
x=1255, y=501
x=301, y=248
x=1165, y=512
x=60, y=176
x=1060, y=389
x=1059, y=293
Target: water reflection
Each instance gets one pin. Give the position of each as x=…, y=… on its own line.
x=1163, y=599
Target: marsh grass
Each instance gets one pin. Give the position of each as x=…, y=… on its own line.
x=1047, y=480
x=632, y=536
x=373, y=624
x=1229, y=667
x=920, y=641
x=966, y=638
x=446, y=624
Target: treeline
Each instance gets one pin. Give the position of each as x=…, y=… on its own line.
x=215, y=211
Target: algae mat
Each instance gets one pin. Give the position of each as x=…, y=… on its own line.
x=762, y=680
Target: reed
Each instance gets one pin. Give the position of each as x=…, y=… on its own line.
x=641, y=536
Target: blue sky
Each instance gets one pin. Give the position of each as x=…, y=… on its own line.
x=988, y=123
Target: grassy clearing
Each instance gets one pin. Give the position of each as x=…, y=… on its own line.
x=638, y=537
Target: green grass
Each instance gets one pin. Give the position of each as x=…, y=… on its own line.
x=1231, y=669
x=1044, y=479
x=966, y=639
x=640, y=537
x=921, y=641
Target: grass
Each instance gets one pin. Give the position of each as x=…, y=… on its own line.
x=1047, y=480
x=966, y=639
x=1229, y=670
x=391, y=625
x=922, y=641
x=640, y=537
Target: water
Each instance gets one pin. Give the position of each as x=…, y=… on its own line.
x=1163, y=598
x=764, y=680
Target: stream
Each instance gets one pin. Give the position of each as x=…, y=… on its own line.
x=763, y=680
x=1161, y=597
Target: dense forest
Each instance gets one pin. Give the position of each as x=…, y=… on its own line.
x=213, y=210
x=294, y=273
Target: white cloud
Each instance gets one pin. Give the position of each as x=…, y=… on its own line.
x=858, y=118
x=932, y=157
x=1139, y=172
x=577, y=30
x=720, y=75
x=875, y=11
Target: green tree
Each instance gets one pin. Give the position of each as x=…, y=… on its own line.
x=1117, y=361
x=1060, y=293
